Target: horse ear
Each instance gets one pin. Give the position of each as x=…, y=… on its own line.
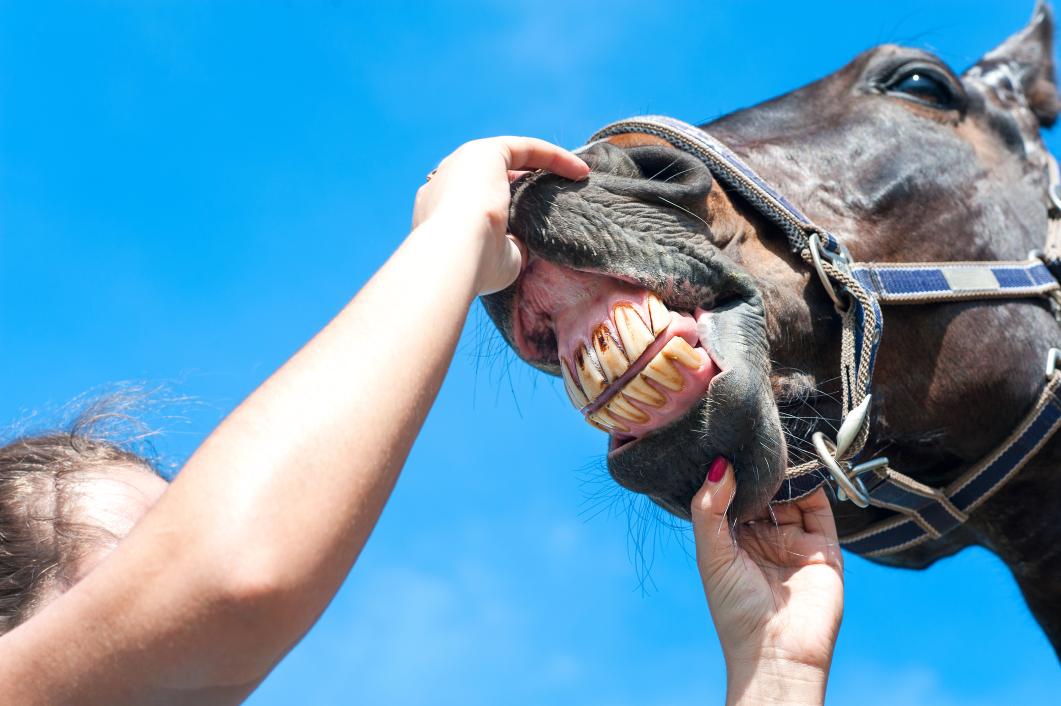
x=1028, y=58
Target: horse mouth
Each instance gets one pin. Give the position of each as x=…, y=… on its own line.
x=630, y=364
x=660, y=338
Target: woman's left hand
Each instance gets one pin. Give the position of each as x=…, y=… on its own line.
x=469, y=195
x=775, y=587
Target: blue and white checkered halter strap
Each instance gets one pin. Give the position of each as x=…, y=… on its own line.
x=858, y=289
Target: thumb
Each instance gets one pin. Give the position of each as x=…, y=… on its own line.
x=509, y=265
x=715, y=548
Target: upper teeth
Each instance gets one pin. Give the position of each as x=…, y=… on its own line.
x=659, y=313
x=612, y=361
x=633, y=331
x=589, y=373
x=611, y=352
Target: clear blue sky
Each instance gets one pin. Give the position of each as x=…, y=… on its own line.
x=188, y=191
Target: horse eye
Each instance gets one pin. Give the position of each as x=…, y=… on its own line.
x=924, y=87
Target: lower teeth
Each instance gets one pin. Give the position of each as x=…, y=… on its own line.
x=628, y=405
x=616, y=344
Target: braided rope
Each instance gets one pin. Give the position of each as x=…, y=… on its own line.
x=855, y=375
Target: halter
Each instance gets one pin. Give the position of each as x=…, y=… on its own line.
x=858, y=289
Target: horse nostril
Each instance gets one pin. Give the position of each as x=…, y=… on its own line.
x=632, y=195
x=653, y=174
x=671, y=166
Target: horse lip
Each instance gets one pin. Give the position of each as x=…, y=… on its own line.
x=552, y=363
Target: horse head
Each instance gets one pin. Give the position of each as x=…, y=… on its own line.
x=901, y=157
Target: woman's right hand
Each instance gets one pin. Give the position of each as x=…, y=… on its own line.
x=468, y=195
x=775, y=587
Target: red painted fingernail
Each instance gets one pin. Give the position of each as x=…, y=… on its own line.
x=717, y=470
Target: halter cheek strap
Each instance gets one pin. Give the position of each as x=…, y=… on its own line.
x=858, y=290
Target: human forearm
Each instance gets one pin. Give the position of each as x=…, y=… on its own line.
x=246, y=548
x=243, y=552
x=258, y=531
x=325, y=437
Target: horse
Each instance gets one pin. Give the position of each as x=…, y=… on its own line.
x=685, y=325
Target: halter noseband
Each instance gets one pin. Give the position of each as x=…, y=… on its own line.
x=857, y=290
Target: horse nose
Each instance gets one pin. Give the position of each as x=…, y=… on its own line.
x=652, y=173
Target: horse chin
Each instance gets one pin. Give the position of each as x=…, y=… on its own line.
x=674, y=386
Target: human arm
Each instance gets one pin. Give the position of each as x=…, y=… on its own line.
x=775, y=588
x=242, y=554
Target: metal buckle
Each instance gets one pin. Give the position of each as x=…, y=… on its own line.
x=840, y=260
x=1054, y=192
x=849, y=485
x=1053, y=182
x=1052, y=357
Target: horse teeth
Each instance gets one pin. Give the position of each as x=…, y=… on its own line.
x=610, y=423
x=679, y=349
x=620, y=407
x=589, y=376
x=640, y=391
x=663, y=371
x=574, y=392
x=597, y=425
x=659, y=313
x=612, y=361
x=634, y=333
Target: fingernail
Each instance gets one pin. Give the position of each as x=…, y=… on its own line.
x=717, y=470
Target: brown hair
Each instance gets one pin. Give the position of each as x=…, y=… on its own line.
x=41, y=539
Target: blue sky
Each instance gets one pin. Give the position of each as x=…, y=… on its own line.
x=188, y=191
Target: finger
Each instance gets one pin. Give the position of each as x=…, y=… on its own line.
x=783, y=514
x=526, y=153
x=818, y=515
x=715, y=547
x=514, y=174
x=509, y=266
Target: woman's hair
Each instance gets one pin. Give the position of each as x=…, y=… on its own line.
x=42, y=537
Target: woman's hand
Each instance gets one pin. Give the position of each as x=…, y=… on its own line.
x=776, y=591
x=469, y=195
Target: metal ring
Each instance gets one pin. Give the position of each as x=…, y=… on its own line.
x=853, y=488
x=1053, y=182
x=870, y=465
x=816, y=257
x=1052, y=358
